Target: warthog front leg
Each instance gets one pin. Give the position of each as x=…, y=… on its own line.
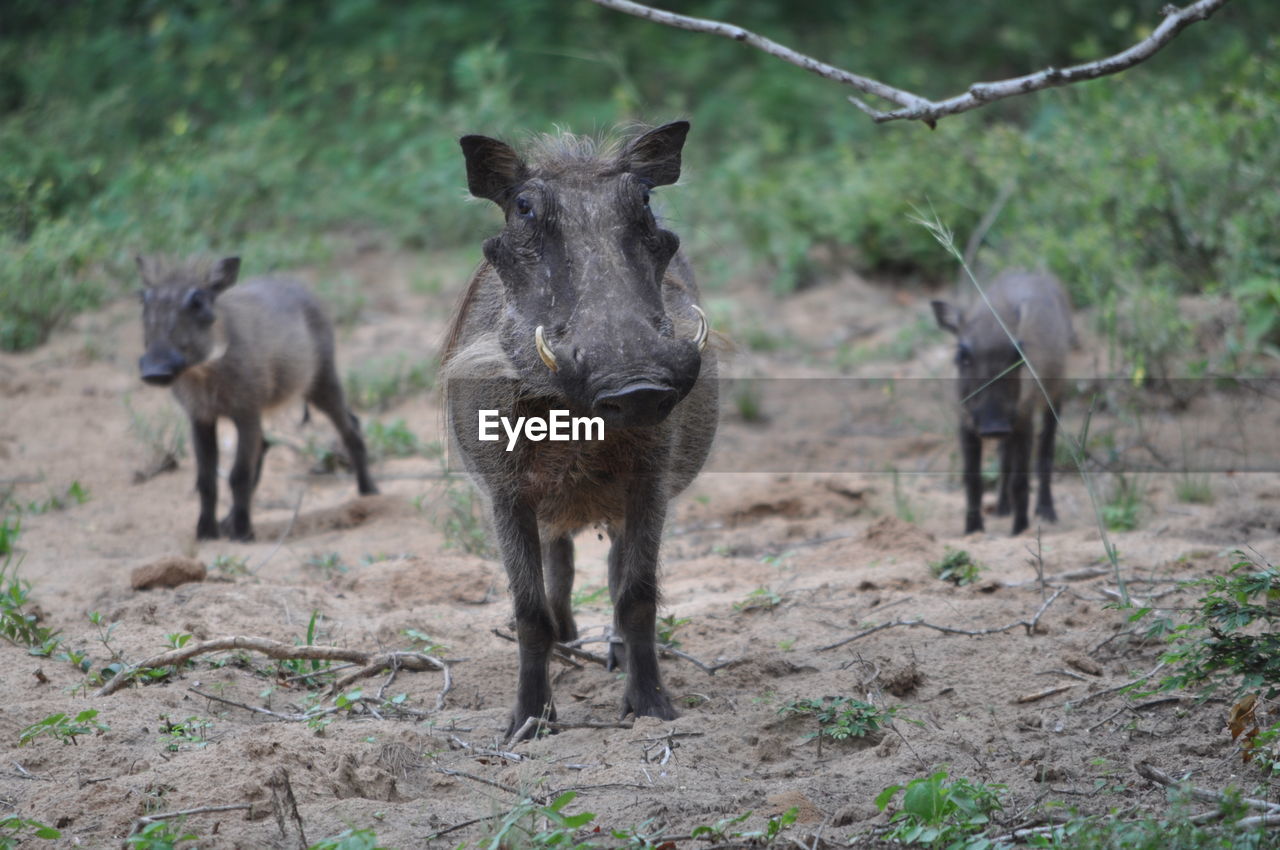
x=244, y=476
x=517, y=531
x=1044, y=468
x=204, y=443
x=633, y=585
x=971, y=453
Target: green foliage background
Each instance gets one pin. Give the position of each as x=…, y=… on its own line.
x=280, y=129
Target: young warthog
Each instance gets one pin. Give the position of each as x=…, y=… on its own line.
x=238, y=355
x=582, y=304
x=999, y=397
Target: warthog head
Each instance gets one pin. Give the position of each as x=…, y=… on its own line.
x=582, y=260
x=178, y=318
x=988, y=367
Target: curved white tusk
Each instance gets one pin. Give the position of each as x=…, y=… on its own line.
x=704, y=330
x=544, y=351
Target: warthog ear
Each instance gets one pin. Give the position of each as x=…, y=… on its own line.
x=145, y=270
x=947, y=315
x=223, y=274
x=655, y=156
x=493, y=167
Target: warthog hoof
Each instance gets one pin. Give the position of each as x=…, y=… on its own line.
x=232, y=530
x=648, y=702
x=519, y=717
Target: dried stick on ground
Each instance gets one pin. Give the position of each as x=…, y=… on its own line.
x=1149, y=771
x=146, y=820
x=1029, y=625
x=917, y=108
x=373, y=661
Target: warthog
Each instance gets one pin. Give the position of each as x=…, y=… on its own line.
x=237, y=355
x=583, y=304
x=998, y=396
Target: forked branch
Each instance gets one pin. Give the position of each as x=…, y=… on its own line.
x=913, y=107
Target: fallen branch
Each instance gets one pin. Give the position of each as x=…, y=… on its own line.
x=913, y=107
x=1149, y=771
x=1029, y=625
x=1111, y=690
x=372, y=661
x=1039, y=695
x=144, y=821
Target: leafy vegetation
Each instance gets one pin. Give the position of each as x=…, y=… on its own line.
x=839, y=718
x=63, y=728
x=285, y=128
x=937, y=813
x=15, y=830
x=160, y=835
x=957, y=566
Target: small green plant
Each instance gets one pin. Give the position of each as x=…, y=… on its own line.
x=10, y=528
x=1175, y=829
x=939, y=814
x=839, y=718
x=18, y=623
x=1193, y=489
x=192, y=733
x=164, y=436
x=380, y=384
x=957, y=566
x=159, y=835
x=63, y=728
x=15, y=830
x=746, y=401
x=394, y=440
x=423, y=642
x=459, y=515
x=75, y=494
x=351, y=839
x=523, y=825
x=308, y=671
x=667, y=627
x=903, y=509
x=231, y=565
x=1232, y=641
x=177, y=640
x=1123, y=508
x=760, y=599
x=328, y=565
x=586, y=597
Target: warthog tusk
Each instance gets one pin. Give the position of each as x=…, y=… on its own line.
x=544, y=351
x=703, y=329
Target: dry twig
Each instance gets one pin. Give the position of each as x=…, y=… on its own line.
x=373, y=661
x=1029, y=625
x=1149, y=771
x=913, y=107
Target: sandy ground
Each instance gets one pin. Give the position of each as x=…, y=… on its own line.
x=801, y=536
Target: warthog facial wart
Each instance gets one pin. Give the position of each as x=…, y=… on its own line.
x=557, y=426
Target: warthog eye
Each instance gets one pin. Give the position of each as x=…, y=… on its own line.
x=524, y=207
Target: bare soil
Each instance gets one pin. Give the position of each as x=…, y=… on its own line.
x=771, y=557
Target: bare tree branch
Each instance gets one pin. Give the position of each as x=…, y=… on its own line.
x=913, y=107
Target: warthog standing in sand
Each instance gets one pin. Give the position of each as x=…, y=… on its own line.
x=582, y=304
x=998, y=395
x=237, y=355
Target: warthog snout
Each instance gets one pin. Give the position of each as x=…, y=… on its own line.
x=161, y=367
x=635, y=405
